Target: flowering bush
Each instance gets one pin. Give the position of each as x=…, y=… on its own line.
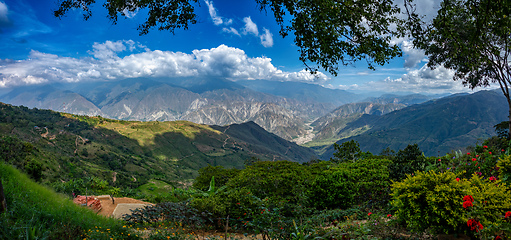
x=430, y=200
x=437, y=201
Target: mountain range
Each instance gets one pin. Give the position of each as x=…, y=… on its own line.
x=203, y=101
x=438, y=126
x=307, y=114
x=66, y=146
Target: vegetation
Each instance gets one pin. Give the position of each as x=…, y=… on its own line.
x=95, y=155
x=36, y=212
x=355, y=195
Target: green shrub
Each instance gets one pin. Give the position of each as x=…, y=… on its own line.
x=221, y=175
x=432, y=200
x=504, y=168
x=349, y=183
x=335, y=188
x=280, y=180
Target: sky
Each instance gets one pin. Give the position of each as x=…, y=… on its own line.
x=232, y=40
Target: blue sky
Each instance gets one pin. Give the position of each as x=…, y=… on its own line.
x=233, y=39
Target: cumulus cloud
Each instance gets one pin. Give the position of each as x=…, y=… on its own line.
x=250, y=27
x=106, y=64
x=422, y=80
x=217, y=20
x=413, y=56
x=266, y=38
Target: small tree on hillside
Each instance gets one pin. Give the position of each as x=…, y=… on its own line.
x=471, y=37
x=348, y=151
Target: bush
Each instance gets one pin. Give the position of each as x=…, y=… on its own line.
x=434, y=201
x=504, y=168
x=362, y=181
x=281, y=180
x=221, y=175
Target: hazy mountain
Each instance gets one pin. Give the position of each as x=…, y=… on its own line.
x=437, y=126
x=311, y=93
x=401, y=99
x=49, y=97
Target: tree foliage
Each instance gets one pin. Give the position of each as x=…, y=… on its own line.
x=471, y=37
x=348, y=151
x=327, y=32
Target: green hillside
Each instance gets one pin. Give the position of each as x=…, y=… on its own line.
x=438, y=126
x=56, y=147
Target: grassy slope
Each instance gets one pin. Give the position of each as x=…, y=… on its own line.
x=40, y=212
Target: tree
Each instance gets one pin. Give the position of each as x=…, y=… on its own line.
x=327, y=32
x=407, y=161
x=471, y=37
x=348, y=151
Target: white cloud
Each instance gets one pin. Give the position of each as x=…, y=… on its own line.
x=217, y=20
x=106, y=64
x=423, y=80
x=413, y=56
x=231, y=30
x=108, y=49
x=266, y=38
x=250, y=27
x=130, y=14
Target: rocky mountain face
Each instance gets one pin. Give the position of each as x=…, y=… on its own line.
x=330, y=125
x=203, y=101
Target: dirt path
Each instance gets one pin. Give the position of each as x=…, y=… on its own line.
x=108, y=207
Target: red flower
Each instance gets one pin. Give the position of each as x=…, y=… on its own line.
x=468, y=153
x=369, y=214
x=238, y=203
x=492, y=178
x=502, y=150
x=467, y=204
x=473, y=159
x=474, y=225
x=468, y=198
x=508, y=214
x=489, y=153
x=439, y=160
x=389, y=215
x=498, y=238
x=457, y=179
x=485, y=146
